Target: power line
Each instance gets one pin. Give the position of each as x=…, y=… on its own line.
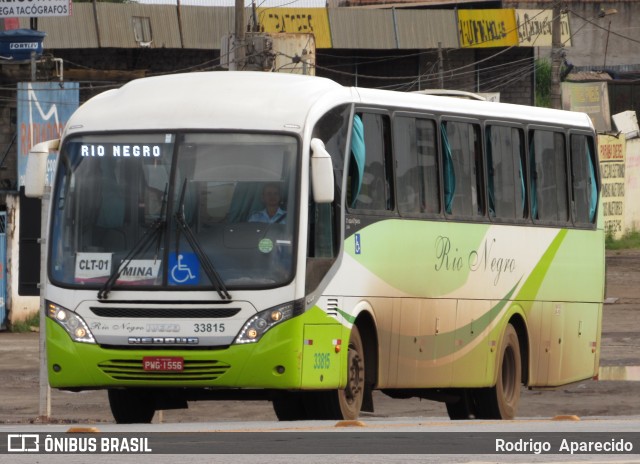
x=631, y=39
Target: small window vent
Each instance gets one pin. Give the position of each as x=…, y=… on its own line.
x=142, y=30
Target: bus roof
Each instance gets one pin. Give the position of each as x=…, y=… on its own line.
x=205, y=100
x=466, y=107
x=266, y=101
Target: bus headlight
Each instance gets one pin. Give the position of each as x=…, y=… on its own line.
x=256, y=327
x=71, y=322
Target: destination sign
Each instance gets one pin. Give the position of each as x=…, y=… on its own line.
x=121, y=150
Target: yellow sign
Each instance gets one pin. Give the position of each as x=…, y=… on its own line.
x=297, y=21
x=611, y=151
x=487, y=28
x=535, y=28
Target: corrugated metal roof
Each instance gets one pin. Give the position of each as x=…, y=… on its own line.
x=76, y=31
x=247, y=3
x=116, y=25
x=372, y=29
x=399, y=3
x=203, y=27
x=206, y=26
x=425, y=28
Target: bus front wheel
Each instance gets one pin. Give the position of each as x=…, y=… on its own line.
x=350, y=399
x=342, y=404
x=131, y=406
x=501, y=401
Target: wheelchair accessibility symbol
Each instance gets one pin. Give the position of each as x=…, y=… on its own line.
x=184, y=269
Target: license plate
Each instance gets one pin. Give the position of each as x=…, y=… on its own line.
x=162, y=363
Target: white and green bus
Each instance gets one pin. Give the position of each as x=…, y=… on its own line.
x=419, y=245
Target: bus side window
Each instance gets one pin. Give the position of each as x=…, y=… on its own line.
x=549, y=176
x=373, y=191
x=416, y=165
x=505, y=176
x=583, y=180
x=462, y=164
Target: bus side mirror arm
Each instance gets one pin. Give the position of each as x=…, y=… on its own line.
x=36, y=173
x=321, y=173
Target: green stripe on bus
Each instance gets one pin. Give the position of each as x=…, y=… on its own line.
x=532, y=285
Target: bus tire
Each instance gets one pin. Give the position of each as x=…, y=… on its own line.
x=132, y=406
x=348, y=402
x=350, y=399
x=501, y=400
x=342, y=404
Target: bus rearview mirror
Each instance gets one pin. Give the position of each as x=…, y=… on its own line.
x=321, y=173
x=35, y=176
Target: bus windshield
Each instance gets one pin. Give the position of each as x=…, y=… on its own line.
x=159, y=209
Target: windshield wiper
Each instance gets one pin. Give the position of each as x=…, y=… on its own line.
x=204, y=259
x=155, y=230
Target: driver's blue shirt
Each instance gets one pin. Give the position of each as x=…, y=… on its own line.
x=263, y=216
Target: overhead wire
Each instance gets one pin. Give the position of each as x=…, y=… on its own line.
x=411, y=81
x=590, y=21
x=423, y=77
x=426, y=77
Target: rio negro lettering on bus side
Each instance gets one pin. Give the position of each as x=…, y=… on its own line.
x=126, y=151
x=482, y=259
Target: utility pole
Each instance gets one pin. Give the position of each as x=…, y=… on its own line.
x=556, y=57
x=239, y=48
x=606, y=47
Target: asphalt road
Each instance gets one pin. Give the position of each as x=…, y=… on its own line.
x=368, y=441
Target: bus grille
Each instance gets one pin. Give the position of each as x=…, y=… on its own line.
x=195, y=371
x=174, y=312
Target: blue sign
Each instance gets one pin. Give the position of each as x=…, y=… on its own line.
x=43, y=110
x=184, y=269
x=358, y=247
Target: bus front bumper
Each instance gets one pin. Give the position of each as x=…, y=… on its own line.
x=304, y=352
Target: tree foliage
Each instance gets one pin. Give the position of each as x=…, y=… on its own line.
x=543, y=83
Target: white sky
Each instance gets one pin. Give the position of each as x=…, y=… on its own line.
x=259, y=3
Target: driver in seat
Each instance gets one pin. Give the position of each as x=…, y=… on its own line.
x=272, y=213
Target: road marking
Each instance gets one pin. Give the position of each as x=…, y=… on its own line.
x=350, y=423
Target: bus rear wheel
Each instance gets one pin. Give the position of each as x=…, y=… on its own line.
x=501, y=401
x=132, y=406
